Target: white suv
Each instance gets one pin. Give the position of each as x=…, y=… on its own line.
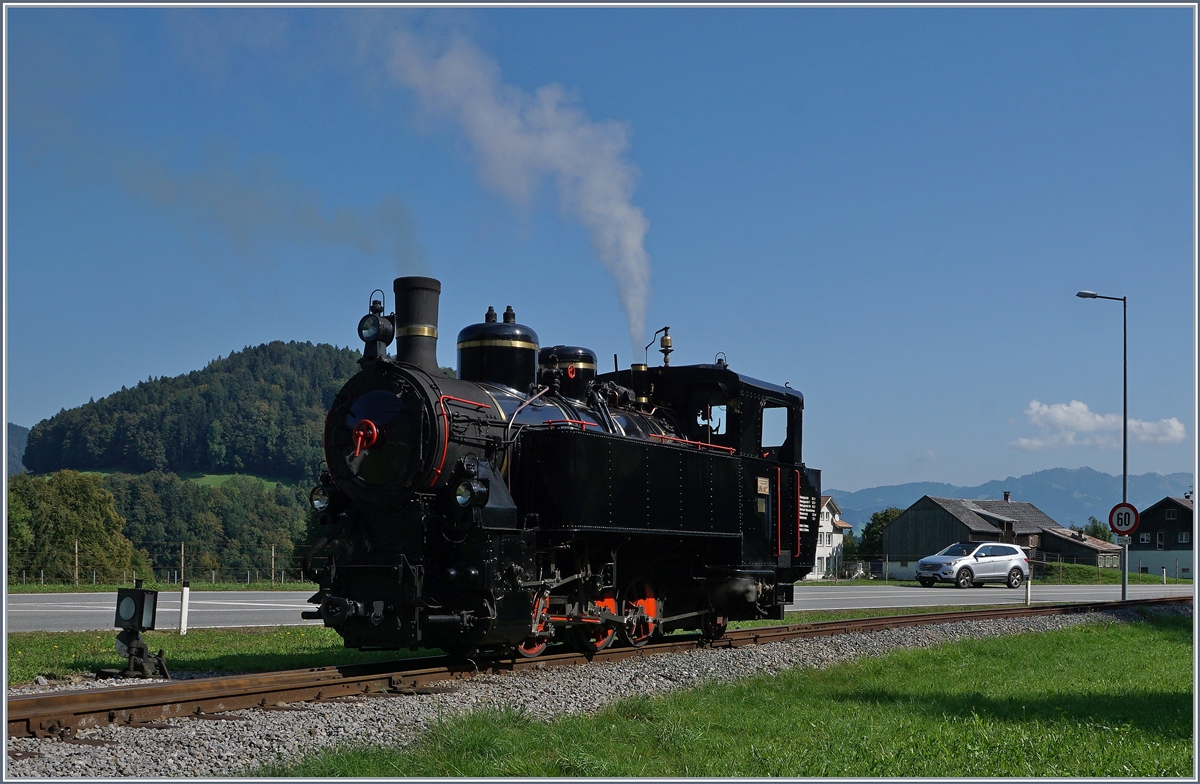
x=975, y=563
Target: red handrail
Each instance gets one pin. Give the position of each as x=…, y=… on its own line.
x=437, y=472
x=579, y=422
x=700, y=444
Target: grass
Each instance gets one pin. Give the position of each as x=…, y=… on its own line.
x=62, y=654
x=218, y=480
x=195, y=585
x=1050, y=704
x=207, y=480
x=1081, y=574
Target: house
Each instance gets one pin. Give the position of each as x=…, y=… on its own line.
x=1164, y=539
x=933, y=523
x=1077, y=547
x=831, y=532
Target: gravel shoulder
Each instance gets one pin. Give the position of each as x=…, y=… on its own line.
x=229, y=748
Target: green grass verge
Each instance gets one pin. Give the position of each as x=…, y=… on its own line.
x=196, y=585
x=1049, y=704
x=61, y=654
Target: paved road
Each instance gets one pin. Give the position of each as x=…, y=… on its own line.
x=206, y=609
x=832, y=597
x=215, y=609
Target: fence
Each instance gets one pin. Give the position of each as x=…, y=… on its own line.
x=171, y=563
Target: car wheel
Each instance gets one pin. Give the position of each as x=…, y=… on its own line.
x=1015, y=578
x=926, y=582
x=964, y=578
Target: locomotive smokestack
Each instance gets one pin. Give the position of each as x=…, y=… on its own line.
x=416, y=321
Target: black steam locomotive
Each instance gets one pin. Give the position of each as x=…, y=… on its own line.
x=532, y=499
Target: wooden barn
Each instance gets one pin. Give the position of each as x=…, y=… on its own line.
x=933, y=523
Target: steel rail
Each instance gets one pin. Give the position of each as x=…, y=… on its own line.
x=61, y=714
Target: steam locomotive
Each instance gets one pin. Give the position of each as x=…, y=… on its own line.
x=533, y=499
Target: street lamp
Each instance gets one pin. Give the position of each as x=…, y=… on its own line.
x=1124, y=421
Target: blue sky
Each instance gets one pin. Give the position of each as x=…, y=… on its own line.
x=891, y=209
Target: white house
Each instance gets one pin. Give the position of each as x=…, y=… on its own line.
x=830, y=533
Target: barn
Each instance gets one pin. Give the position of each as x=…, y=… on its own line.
x=933, y=523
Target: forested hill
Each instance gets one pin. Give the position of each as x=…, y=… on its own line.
x=258, y=411
x=17, y=436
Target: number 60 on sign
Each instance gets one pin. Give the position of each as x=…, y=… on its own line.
x=1123, y=519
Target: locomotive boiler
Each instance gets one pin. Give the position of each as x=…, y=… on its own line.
x=534, y=500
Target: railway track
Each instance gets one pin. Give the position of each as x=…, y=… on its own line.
x=62, y=714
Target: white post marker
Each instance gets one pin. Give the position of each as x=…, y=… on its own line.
x=183, y=608
x=1029, y=587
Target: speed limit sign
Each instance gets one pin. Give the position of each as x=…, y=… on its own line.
x=1123, y=519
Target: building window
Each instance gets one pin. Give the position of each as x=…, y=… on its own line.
x=1185, y=537
x=1159, y=539
x=1169, y=514
x=1144, y=538
x=904, y=563
x=821, y=565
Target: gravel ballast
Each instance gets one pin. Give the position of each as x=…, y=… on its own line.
x=230, y=748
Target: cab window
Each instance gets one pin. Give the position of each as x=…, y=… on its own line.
x=774, y=426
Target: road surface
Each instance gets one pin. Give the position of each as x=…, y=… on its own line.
x=58, y=612
x=218, y=609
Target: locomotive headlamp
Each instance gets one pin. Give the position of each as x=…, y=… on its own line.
x=471, y=492
x=318, y=499
x=375, y=326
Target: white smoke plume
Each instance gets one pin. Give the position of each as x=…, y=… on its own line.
x=1074, y=424
x=522, y=139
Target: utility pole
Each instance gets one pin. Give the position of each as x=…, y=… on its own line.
x=181, y=561
x=272, y=564
x=77, y=562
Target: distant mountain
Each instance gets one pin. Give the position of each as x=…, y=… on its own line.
x=1069, y=495
x=17, y=438
x=258, y=411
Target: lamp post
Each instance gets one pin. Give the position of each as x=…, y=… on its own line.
x=1124, y=423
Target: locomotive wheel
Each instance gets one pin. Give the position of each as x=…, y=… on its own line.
x=595, y=637
x=536, y=644
x=639, y=595
x=714, y=626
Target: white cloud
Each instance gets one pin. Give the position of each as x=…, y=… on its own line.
x=1071, y=424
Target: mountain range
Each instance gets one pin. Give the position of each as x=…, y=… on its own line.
x=1069, y=495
